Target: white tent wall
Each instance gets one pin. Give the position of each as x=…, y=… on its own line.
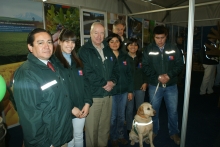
x=140, y=6
x=175, y=16
x=202, y=13
x=102, y=5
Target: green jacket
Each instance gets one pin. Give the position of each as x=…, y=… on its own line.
x=96, y=71
x=168, y=62
x=125, y=82
x=139, y=77
x=124, y=45
x=43, y=104
x=79, y=88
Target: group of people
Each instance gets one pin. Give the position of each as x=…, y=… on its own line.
x=58, y=93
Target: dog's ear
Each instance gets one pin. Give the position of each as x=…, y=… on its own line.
x=140, y=111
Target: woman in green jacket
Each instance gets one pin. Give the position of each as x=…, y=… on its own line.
x=140, y=82
x=121, y=92
x=78, y=86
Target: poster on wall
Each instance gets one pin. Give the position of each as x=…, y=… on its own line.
x=17, y=19
x=88, y=17
x=58, y=17
x=146, y=32
x=111, y=18
x=151, y=29
x=135, y=29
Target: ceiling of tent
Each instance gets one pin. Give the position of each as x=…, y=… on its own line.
x=162, y=3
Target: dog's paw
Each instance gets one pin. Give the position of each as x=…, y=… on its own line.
x=147, y=141
x=132, y=142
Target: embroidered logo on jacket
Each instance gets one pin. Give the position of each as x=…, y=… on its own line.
x=111, y=58
x=171, y=57
x=140, y=65
x=124, y=62
x=80, y=72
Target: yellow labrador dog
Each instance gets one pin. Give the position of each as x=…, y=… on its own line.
x=142, y=128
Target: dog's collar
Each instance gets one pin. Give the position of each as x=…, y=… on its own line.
x=141, y=124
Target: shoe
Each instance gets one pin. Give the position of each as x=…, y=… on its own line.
x=128, y=131
x=123, y=141
x=176, y=139
x=115, y=143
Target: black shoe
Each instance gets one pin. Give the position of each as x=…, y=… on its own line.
x=123, y=141
x=128, y=131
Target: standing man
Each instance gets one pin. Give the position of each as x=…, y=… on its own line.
x=162, y=63
x=41, y=95
x=209, y=63
x=119, y=28
x=101, y=69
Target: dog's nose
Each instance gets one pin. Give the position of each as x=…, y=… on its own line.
x=154, y=112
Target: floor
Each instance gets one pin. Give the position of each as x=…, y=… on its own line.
x=203, y=125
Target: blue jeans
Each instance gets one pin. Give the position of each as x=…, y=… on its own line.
x=170, y=95
x=118, y=116
x=138, y=97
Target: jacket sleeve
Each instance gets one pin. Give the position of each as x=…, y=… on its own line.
x=87, y=92
x=148, y=68
x=177, y=68
x=90, y=73
x=115, y=71
x=27, y=94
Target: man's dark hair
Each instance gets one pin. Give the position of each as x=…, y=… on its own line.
x=30, y=38
x=160, y=30
x=119, y=21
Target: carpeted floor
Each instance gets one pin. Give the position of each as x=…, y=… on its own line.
x=203, y=125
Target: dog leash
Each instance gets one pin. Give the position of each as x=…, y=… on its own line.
x=155, y=92
x=163, y=85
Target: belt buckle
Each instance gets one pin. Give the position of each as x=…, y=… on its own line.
x=164, y=85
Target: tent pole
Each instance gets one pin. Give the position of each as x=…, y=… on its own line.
x=174, y=8
x=210, y=19
x=188, y=71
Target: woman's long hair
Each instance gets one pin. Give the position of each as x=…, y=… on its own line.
x=138, y=53
x=67, y=35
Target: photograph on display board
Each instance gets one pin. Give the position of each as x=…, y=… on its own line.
x=58, y=17
x=146, y=33
x=17, y=19
x=111, y=18
x=89, y=18
x=151, y=29
x=135, y=29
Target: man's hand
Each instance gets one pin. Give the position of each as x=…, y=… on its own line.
x=109, y=86
x=144, y=87
x=164, y=78
x=130, y=96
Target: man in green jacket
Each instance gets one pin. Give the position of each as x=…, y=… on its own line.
x=41, y=95
x=119, y=28
x=101, y=69
x=162, y=63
